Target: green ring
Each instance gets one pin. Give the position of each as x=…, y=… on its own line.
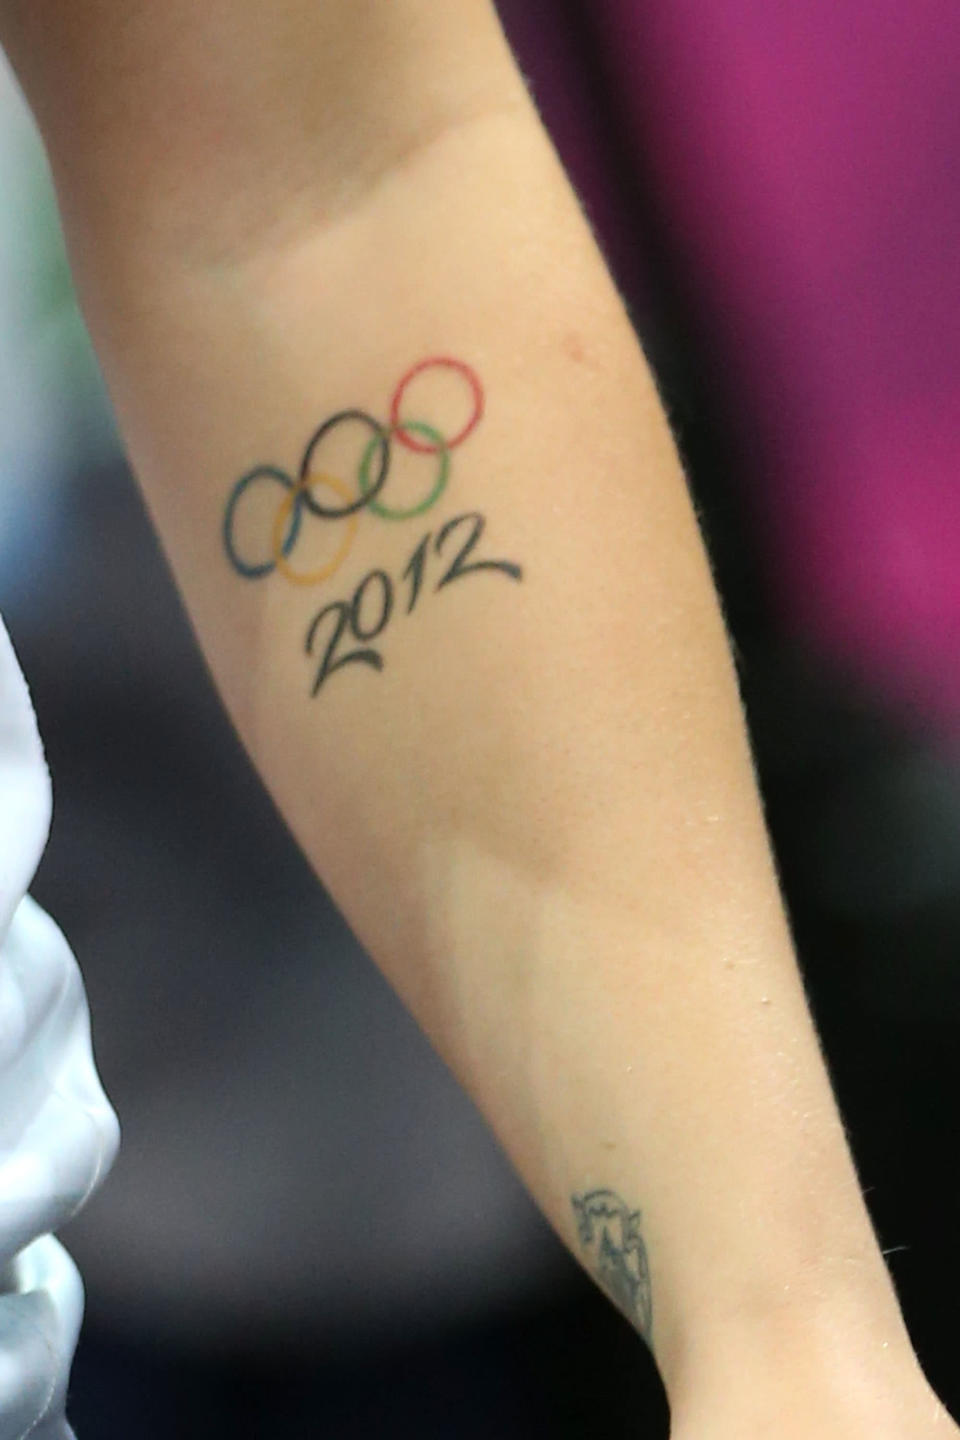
x=384, y=511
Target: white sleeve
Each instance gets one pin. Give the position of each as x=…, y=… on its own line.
x=58, y=1132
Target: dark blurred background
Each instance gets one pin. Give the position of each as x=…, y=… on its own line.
x=309, y=1231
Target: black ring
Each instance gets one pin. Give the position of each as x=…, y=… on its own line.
x=323, y=511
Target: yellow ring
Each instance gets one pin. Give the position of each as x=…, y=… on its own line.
x=280, y=531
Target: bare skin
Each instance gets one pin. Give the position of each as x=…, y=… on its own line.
x=528, y=784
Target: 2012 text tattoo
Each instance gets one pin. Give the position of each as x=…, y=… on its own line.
x=365, y=616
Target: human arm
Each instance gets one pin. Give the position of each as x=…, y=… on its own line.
x=540, y=815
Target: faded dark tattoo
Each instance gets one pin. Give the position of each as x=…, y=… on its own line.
x=609, y=1232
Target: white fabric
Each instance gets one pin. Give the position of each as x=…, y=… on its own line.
x=58, y=1132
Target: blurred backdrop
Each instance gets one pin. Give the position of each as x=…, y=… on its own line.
x=309, y=1231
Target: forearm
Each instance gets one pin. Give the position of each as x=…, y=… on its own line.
x=236, y=122
x=540, y=814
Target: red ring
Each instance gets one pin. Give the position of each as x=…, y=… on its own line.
x=472, y=380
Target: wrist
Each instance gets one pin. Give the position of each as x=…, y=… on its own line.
x=795, y=1405
x=842, y=1357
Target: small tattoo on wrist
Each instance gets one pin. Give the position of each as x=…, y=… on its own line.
x=609, y=1234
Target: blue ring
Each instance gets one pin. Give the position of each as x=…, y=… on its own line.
x=262, y=472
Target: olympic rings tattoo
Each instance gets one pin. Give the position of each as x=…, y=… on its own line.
x=373, y=473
